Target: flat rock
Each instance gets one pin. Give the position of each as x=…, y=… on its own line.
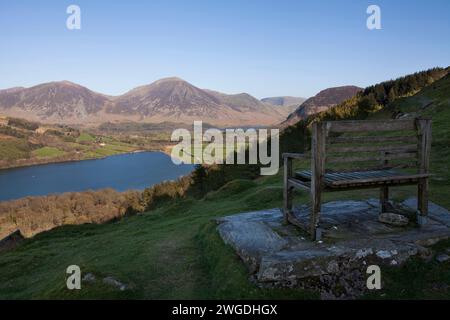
x=435, y=212
x=89, y=277
x=252, y=237
x=277, y=254
x=393, y=219
x=115, y=283
x=442, y=257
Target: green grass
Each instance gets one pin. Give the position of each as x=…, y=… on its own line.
x=48, y=152
x=14, y=149
x=165, y=254
x=436, y=100
x=109, y=149
x=85, y=137
x=38, y=148
x=173, y=252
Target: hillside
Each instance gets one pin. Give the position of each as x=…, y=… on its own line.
x=55, y=102
x=284, y=104
x=287, y=103
x=174, y=252
x=165, y=100
x=284, y=101
x=322, y=101
x=24, y=143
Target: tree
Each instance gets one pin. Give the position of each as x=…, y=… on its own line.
x=392, y=95
x=199, y=177
x=367, y=104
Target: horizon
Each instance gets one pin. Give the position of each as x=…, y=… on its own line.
x=267, y=49
x=184, y=80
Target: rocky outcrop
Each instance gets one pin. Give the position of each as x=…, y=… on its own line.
x=324, y=100
x=393, y=219
x=353, y=238
x=11, y=241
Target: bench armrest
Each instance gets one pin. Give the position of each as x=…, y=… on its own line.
x=294, y=155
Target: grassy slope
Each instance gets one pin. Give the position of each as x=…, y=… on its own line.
x=47, y=152
x=12, y=149
x=174, y=251
x=31, y=147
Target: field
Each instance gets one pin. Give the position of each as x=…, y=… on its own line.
x=25, y=143
x=48, y=152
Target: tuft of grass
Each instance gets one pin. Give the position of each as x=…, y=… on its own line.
x=231, y=188
x=85, y=137
x=14, y=149
x=48, y=152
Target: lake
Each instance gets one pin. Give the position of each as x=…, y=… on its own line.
x=121, y=172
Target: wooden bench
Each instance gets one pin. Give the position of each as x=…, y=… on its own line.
x=365, y=154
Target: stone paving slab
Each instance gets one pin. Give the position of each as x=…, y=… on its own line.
x=279, y=254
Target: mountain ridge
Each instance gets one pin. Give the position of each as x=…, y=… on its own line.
x=322, y=101
x=167, y=99
x=284, y=100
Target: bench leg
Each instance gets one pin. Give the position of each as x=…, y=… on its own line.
x=422, y=202
x=287, y=191
x=384, y=199
x=316, y=233
x=287, y=203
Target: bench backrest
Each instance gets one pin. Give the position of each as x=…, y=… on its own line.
x=371, y=144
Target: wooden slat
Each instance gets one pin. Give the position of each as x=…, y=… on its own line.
x=317, y=171
x=295, y=155
x=299, y=184
x=368, y=159
x=339, y=176
x=370, y=125
x=305, y=174
x=380, y=179
x=381, y=173
x=384, y=198
x=331, y=177
x=411, y=164
x=383, y=148
x=425, y=145
x=372, y=139
x=287, y=194
x=425, y=149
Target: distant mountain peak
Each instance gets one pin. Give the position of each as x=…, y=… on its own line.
x=170, y=79
x=322, y=101
x=284, y=100
x=169, y=99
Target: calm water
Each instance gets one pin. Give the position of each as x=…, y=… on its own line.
x=121, y=172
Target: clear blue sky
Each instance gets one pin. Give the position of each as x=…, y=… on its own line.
x=265, y=48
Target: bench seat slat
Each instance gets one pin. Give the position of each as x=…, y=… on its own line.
x=393, y=156
x=306, y=185
x=343, y=179
x=380, y=180
x=390, y=166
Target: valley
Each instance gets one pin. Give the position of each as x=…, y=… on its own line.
x=172, y=242
x=63, y=121
x=25, y=143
